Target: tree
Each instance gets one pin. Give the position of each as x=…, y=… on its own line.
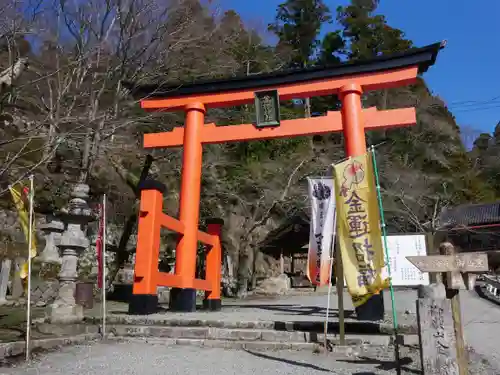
x=297, y=25
x=368, y=34
x=329, y=54
x=422, y=167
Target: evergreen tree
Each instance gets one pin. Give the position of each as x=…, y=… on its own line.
x=331, y=47
x=297, y=25
x=328, y=55
x=368, y=34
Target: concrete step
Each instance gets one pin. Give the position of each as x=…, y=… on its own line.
x=245, y=335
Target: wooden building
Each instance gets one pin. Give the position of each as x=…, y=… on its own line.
x=470, y=227
x=474, y=228
x=289, y=243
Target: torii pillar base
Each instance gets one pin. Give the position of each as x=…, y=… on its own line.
x=143, y=304
x=373, y=309
x=182, y=300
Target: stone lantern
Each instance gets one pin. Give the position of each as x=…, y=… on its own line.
x=52, y=232
x=76, y=216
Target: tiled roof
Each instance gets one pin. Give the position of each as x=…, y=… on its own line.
x=469, y=215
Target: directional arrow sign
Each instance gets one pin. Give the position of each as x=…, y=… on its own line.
x=464, y=262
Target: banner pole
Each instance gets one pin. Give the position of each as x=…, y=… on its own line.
x=340, y=292
x=103, y=260
x=30, y=239
x=332, y=248
x=387, y=259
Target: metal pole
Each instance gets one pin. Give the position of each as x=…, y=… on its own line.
x=387, y=259
x=103, y=257
x=30, y=239
x=332, y=247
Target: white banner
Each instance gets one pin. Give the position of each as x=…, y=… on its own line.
x=402, y=271
x=322, y=198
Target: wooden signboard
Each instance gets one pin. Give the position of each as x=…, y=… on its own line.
x=456, y=266
x=464, y=262
x=436, y=333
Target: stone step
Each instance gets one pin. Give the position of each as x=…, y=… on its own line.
x=351, y=326
x=17, y=349
x=253, y=345
x=245, y=335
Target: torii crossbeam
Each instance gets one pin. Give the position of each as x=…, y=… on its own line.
x=347, y=80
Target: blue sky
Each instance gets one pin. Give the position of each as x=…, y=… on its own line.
x=467, y=73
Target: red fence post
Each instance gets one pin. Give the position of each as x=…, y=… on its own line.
x=213, y=268
x=144, y=299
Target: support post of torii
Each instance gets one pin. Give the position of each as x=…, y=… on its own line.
x=348, y=80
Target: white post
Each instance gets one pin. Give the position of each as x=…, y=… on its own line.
x=28, y=310
x=332, y=247
x=103, y=258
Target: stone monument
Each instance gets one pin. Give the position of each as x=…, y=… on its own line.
x=74, y=241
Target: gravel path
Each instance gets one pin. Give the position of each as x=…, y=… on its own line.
x=142, y=358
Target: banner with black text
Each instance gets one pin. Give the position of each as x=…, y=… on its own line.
x=321, y=235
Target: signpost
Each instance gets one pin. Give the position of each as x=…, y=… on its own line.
x=435, y=325
x=455, y=266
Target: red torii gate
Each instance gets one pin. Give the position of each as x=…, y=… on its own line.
x=347, y=80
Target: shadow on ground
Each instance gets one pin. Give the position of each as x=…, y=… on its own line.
x=293, y=309
x=382, y=365
x=288, y=361
x=385, y=365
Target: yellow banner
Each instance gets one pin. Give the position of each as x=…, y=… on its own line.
x=359, y=232
x=23, y=215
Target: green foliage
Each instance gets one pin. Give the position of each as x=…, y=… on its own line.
x=297, y=26
x=367, y=34
x=331, y=47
